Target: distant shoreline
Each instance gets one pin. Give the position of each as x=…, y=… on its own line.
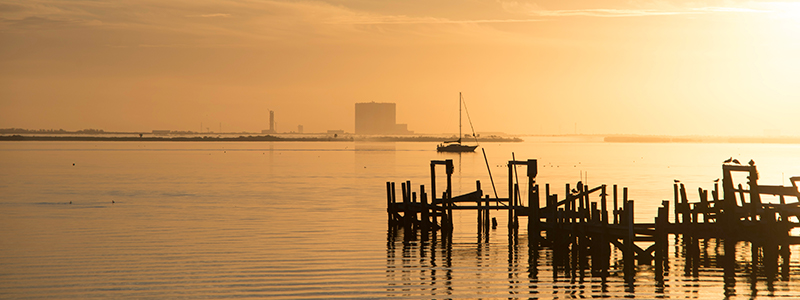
x=249, y=138
x=673, y=139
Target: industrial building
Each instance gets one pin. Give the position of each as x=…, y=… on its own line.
x=272, y=128
x=378, y=118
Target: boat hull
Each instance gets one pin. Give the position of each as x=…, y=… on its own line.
x=456, y=148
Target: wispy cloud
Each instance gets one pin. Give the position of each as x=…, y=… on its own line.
x=537, y=11
x=388, y=20
x=731, y=9
x=218, y=15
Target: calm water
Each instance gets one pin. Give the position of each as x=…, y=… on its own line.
x=308, y=220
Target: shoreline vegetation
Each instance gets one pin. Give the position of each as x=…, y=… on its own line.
x=242, y=138
x=97, y=135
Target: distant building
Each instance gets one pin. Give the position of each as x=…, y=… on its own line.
x=271, y=123
x=378, y=118
x=299, y=128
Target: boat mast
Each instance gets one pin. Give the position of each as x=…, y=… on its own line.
x=459, y=118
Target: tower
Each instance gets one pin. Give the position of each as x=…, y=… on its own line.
x=271, y=121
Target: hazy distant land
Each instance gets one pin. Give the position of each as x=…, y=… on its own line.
x=249, y=138
x=701, y=139
x=91, y=135
x=17, y=134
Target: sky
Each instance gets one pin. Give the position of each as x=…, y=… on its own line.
x=524, y=67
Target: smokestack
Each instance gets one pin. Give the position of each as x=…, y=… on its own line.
x=272, y=121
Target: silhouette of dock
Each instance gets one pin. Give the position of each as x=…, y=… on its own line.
x=583, y=224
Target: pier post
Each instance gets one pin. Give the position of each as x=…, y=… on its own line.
x=603, y=206
x=616, y=206
x=677, y=202
x=684, y=206
x=568, y=205
x=433, y=182
x=406, y=209
x=755, y=196
x=517, y=203
x=511, y=196
x=449, y=170
x=389, y=204
x=479, y=209
x=425, y=222
x=414, y=220
x=629, y=254
x=661, y=239
x=533, y=212
x=486, y=219
x=586, y=206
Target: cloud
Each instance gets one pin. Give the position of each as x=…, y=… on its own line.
x=211, y=16
x=35, y=22
x=731, y=9
x=388, y=20
x=537, y=11
x=11, y=8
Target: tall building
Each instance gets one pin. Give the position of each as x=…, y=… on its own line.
x=378, y=118
x=271, y=123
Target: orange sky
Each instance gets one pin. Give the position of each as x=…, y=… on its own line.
x=638, y=67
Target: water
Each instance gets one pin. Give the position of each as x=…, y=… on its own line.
x=308, y=220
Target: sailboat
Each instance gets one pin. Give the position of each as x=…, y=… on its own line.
x=456, y=146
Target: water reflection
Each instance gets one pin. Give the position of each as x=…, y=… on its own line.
x=522, y=267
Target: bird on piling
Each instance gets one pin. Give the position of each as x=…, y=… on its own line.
x=752, y=163
x=736, y=161
x=716, y=180
x=728, y=160
x=676, y=181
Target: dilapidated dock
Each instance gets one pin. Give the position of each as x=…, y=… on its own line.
x=584, y=223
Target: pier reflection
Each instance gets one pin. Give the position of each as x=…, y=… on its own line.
x=590, y=244
x=423, y=264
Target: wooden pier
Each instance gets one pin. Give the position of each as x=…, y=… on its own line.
x=583, y=224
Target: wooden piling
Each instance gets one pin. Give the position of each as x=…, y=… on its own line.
x=533, y=211
x=511, y=196
x=406, y=209
x=486, y=220
x=425, y=222
x=629, y=255
x=616, y=210
x=603, y=206
x=577, y=229
x=389, y=206
x=449, y=171
x=677, y=202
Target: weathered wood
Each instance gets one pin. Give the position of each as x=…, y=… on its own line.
x=389, y=202
x=511, y=195
x=677, y=197
x=603, y=206
x=576, y=226
x=425, y=222
x=616, y=207
x=406, y=208
x=629, y=253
